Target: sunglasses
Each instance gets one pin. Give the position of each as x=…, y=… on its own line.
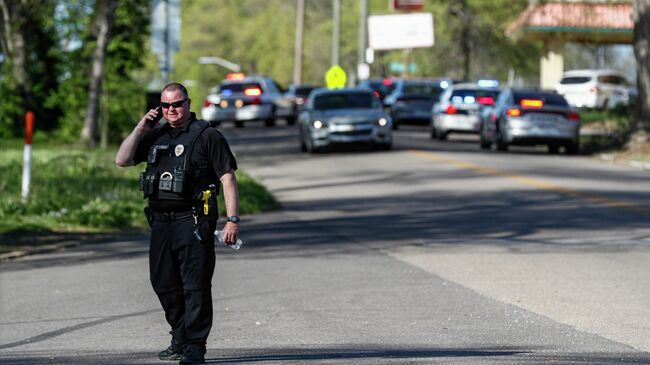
x=176, y=104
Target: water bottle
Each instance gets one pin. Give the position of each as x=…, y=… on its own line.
x=218, y=235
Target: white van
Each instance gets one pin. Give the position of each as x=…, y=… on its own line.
x=594, y=88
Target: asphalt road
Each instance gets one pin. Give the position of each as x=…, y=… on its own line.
x=435, y=252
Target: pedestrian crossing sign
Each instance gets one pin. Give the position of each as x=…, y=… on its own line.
x=335, y=77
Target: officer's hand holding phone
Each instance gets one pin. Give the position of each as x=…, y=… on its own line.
x=151, y=119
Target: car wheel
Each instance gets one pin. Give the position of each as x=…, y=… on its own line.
x=441, y=135
x=385, y=146
x=605, y=105
x=501, y=144
x=572, y=148
x=270, y=121
x=291, y=120
x=434, y=134
x=309, y=145
x=485, y=144
x=303, y=146
x=239, y=124
x=553, y=149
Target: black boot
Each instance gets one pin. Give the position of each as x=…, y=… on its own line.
x=193, y=355
x=170, y=353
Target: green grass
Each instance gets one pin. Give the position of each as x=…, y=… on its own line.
x=620, y=117
x=615, y=125
x=74, y=189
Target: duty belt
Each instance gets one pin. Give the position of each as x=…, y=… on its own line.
x=171, y=216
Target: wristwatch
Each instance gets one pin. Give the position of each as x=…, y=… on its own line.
x=233, y=219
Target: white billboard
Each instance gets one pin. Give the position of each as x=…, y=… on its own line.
x=414, y=30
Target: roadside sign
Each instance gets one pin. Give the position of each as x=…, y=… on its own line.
x=398, y=67
x=407, y=5
x=400, y=31
x=335, y=77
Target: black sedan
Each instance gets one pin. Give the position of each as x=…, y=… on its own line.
x=412, y=101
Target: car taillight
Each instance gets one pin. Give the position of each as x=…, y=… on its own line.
x=387, y=82
x=531, y=103
x=575, y=116
x=486, y=100
x=206, y=103
x=493, y=117
x=593, y=90
x=253, y=92
x=376, y=94
x=513, y=112
x=451, y=110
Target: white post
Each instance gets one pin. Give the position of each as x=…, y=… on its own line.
x=27, y=156
x=27, y=168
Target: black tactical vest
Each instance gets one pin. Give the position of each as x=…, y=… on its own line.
x=169, y=173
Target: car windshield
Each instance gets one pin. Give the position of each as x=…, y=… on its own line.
x=303, y=91
x=346, y=101
x=473, y=96
x=380, y=87
x=431, y=90
x=547, y=98
x=239, y=87
x=574, y=80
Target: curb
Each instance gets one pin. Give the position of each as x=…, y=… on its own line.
x=607, y=157
x=36, y=250
x=27, y=250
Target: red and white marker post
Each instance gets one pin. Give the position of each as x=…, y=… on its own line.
x=27, y=155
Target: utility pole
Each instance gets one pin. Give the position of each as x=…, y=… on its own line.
x=362, y=62
x=297, y=55
x=336, y=32
x=167, y=45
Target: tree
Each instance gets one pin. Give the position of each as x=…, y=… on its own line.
x=15, y=17
x=31, y=63
x=102, y=26
x=641, y=18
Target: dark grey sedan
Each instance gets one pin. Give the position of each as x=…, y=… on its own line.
x=412, y=100
x=344, y=116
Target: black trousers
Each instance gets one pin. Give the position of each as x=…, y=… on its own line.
x=181, y=270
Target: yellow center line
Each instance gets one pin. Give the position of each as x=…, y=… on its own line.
x=535, y=183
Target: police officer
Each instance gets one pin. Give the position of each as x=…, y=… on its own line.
x=186, y=162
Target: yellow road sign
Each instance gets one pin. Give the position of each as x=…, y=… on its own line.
x=335, y=77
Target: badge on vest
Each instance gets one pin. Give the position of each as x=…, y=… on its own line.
x=179, y=150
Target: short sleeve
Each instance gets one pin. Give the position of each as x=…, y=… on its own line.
x=142, y=151
x=219, y=152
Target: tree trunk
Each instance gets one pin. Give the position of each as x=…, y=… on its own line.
x=642, y=52
x=103, y=24
x=14, y=19
x=465, y=39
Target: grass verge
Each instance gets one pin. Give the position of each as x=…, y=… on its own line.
x=76, y=191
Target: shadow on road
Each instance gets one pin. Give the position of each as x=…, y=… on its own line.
x=349, y=355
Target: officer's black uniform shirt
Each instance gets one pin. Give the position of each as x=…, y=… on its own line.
x=211, y=151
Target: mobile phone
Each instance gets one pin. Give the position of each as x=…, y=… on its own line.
x=157, y=118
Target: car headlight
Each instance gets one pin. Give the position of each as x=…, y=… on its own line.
x=382, y=122
x=318, y=124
